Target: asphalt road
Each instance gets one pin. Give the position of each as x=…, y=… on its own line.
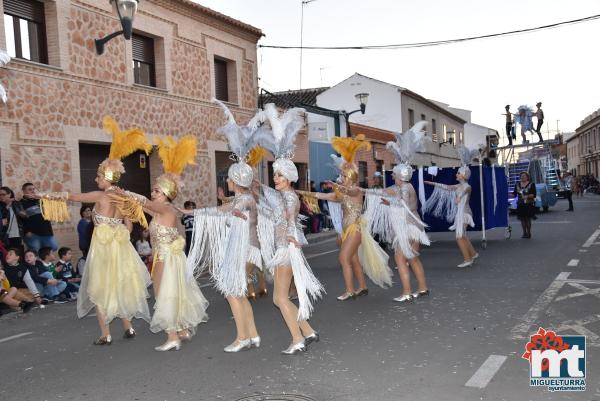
x=371, y=348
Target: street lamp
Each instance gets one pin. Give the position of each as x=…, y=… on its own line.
x=126, y=10
x=362, y=99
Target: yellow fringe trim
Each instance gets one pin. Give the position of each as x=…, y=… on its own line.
x=55, y=210
x=132, y=210
x=312, y=203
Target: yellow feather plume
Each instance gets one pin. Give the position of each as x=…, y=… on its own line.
x=175, y=155
x=255, y=156
x=348, y=147
x=124, y=143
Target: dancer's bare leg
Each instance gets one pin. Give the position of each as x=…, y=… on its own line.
x=403, y=272
x=283, y=278
x=472, y=251
x=348, y=249
x=357, y=269
x=238, y=310
x=101, y=316
x=418, y=270
x=464, y=249
x=249, y=324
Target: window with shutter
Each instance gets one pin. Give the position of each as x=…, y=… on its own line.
x=221, y=89
x=143, y=60
x=25, y=30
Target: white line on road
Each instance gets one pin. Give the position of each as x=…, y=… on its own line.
x=486, y=372
x=583, y=250
x=554, y=222
x=573, y=263
x=3, y=340
x=321, y=254
x=592, y=239
x=520, y=330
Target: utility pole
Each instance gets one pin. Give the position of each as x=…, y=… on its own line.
x=304, y=2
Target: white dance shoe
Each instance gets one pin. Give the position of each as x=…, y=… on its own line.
x=169, y=345
x=238, y=346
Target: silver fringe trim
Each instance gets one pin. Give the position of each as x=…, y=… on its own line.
x=210, y=232
x=230, y=275
x=307, y=285
x=442, y=203
x=335, y=211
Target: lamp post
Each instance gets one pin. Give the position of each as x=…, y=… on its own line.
x=362, y=99
x=126, y=10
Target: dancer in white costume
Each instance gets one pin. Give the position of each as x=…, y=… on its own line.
x=452, y=202
x=226, y=239
x=288, y=261
x=115, y=278
x=180, y=305
x=392, y=213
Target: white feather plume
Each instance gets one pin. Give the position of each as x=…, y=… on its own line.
x=284, y=130
x=240, y=137
x=467, y=155
x=338, y=161
x=407, y=144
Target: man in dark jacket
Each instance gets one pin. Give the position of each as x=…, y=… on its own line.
x=37, y=231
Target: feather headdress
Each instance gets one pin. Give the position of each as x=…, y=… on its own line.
x=240, y=137
x=123, y=144
x=175, y=156
x=407, y=144
x=466, y=156
x=405, y=147
x=348, y=147
x=242, y=141
x=280, y=140
x=256, y=155
x=338, y=161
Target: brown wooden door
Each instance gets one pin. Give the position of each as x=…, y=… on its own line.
x=137, y=169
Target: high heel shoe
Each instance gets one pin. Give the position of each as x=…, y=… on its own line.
x=187, y=336
x=313, y=338
x=251, y=296
x=295, y=348
x=346, y=296
x=466, y=263
x=104, y=340
x=263, y=293
x=255, y=342
x=405, y=298
x=169, y=345
x=238, y=345
x=129, y=333
x=361, y=292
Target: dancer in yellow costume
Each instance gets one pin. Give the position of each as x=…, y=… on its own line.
x=115, y=278
x=180, y=305
x=358, y=247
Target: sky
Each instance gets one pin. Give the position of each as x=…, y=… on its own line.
x=559, y=67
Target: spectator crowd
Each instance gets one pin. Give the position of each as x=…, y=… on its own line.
x=33, y=269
